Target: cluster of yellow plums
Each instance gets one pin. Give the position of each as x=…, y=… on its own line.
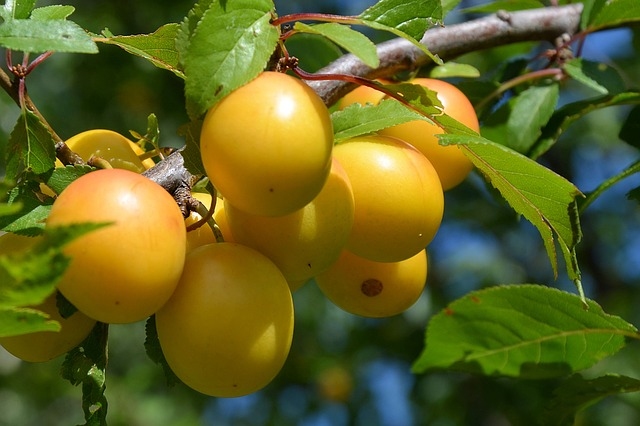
x=355, y=217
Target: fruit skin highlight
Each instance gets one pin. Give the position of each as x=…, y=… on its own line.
x=399, y=201
x=227, y=329
x=126, y=271
x=267, y=145
x=374, y=289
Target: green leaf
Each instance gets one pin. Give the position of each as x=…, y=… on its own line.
x=342, y=35
x=598, y=76
x=454, y=69
x=406, y=19
x=313, y=51
x=188, y=26
x=613, y=13
x=525, y=331
x=159, y=47
x=30, y=217
x=544, y=198
x=630, y=130
x=31, y=147
x=58, y=35
x=570, y=113
x=61, y=177
x=154, y=351
x=191, y=154
x=634, y=194
x=356, y=120
x=54, y=12
x=231, y=45
x=411, y=17
x=29, y=276
x=86, y=365
x=448, y=6
x=518, y=123
x=577, y=393
x=17, y=321
x=18, y=9
x=506, y=5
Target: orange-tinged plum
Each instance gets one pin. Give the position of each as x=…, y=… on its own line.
x=126, y=271
x=450, y=162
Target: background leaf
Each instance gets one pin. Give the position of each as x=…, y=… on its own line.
x=342, y=35
x=577, y=393
x=525, y=331
x=159, y=47
x=570, y=113
x=630, y=130
x=58, y=35
x=230, y=46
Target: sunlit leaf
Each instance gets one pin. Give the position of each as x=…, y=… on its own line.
x=17, y=321
x=57, y=35
x=356, y=120
x=544, y=198
x=524, y=331
x=342, y=35
x=54, y=12
x=454, y=69
x=159, y=47
x=406, y=19
x=30, y=276
x=412, y=17
x=31, y=147
x=613, y=13
x=230, y=46
x=577, y=393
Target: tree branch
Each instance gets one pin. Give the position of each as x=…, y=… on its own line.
x=545, y=24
